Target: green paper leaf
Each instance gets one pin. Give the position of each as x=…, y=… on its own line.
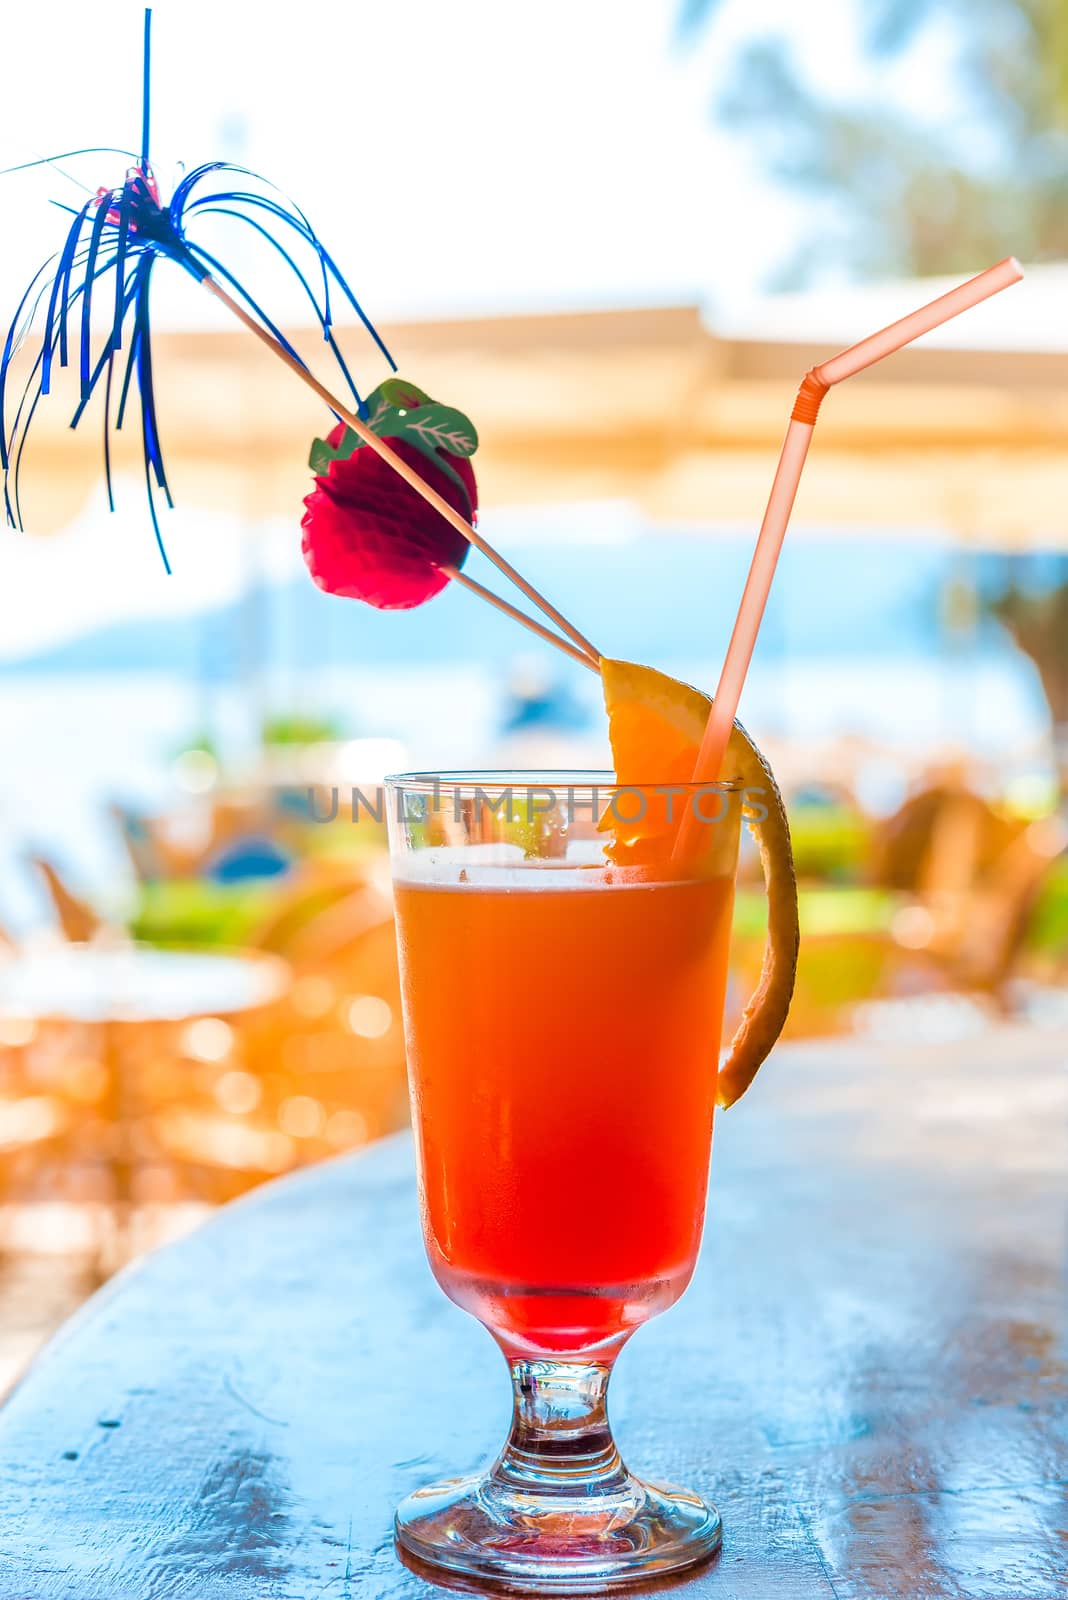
x=320, y=457
x=444, y=428
x=350, y=442
x=436, y=426
x=393, y=393
x=377, y=408
x=399, y=392
x=398, y=409
x=322, y=453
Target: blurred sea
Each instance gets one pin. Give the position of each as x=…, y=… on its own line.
x=856, y=644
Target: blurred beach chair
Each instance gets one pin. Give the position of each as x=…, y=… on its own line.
x=78, y=921
x=138, y=835
x=323, y=1069
x=314, y=889
x=938, y=838
x=248, y=858
x=236, y=843
x=993, y=918
x=973, y=876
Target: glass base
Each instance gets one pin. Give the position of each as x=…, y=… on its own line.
x=516, y=1539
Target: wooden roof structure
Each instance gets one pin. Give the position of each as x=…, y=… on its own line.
x=651, y=405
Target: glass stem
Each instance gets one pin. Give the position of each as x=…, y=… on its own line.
x=560, y=1439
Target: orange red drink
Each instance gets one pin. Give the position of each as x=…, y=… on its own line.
x=563, y=1026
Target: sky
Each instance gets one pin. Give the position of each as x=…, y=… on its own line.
x=476, y=157
x=480, y=157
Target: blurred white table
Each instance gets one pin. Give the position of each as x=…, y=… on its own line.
x=136, y=983
x=117, y=990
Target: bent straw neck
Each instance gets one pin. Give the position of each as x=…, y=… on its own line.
x=814, y=387
x=809, y=398
x=819, y=379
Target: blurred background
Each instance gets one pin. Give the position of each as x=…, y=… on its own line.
x=616, y=238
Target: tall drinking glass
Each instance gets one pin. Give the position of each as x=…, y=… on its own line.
x=562, y=1015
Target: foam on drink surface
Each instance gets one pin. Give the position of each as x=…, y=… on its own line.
x=500, y=866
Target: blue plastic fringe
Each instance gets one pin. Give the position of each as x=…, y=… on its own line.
x=124, y=231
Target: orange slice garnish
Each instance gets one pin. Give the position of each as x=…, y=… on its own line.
x=655, y=725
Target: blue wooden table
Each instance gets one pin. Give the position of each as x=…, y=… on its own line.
x=867, y=1375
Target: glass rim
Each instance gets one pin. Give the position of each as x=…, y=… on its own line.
x=592, y=779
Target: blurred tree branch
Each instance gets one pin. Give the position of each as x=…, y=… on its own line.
x=1039, y=624
x=895, y=192
x=1037, y=619
x=694, y=15
x=892, y=191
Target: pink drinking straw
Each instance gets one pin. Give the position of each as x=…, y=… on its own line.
x=814, y=386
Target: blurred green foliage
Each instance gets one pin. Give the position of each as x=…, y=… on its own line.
x=833, y=974
x=195, y=912
x=898, y=185
x=300, y=728
x=846, y=956
x=822, y=911
x=1037, y=618
x=202, y=742
x=1047, y=929
x=831, y=843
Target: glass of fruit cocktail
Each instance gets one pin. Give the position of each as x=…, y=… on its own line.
x=563, y=977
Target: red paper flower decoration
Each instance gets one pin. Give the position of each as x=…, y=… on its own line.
x=370, y=536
